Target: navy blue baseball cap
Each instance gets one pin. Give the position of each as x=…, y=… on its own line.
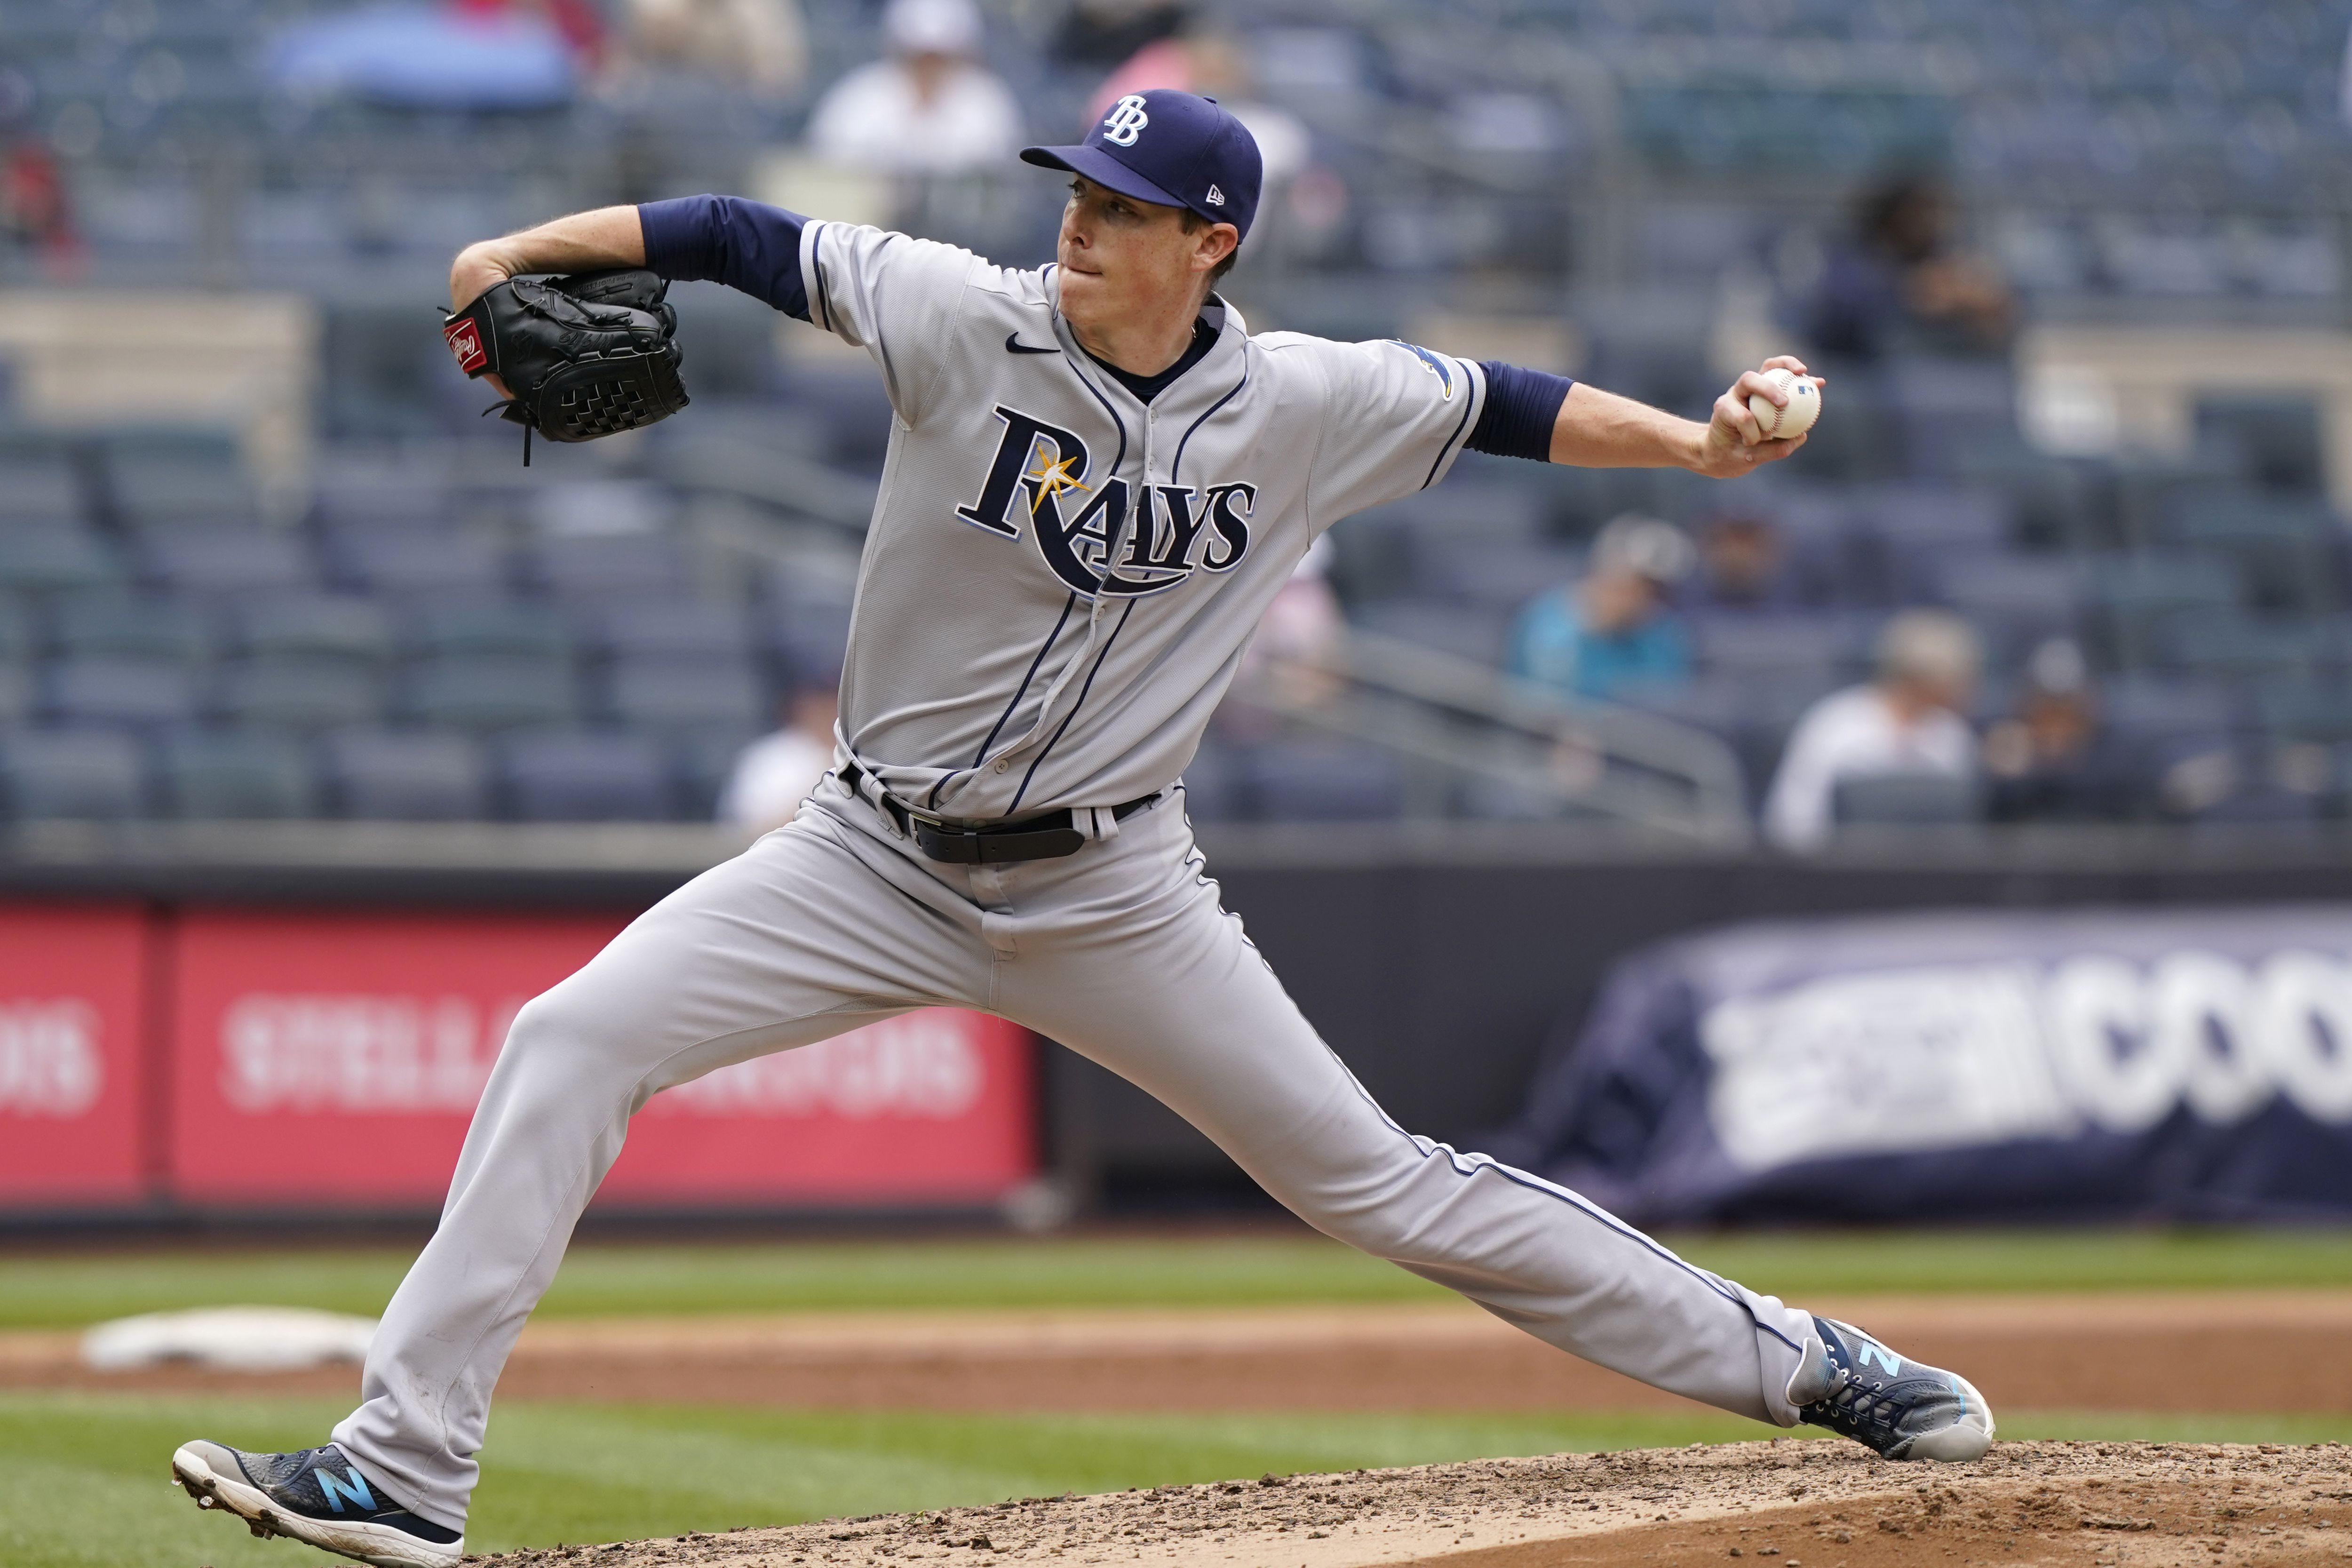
x=1170, y=148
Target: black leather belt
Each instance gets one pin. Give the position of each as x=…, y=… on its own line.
x=1046, y=837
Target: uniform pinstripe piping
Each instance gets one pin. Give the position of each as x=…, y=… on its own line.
x=817, y=265
x=1063, y=726
x=1070, y=602
x=1469, y=1165
x=1459, y=425
x=1176, y=466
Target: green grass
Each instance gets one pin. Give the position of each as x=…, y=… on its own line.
x=87, y=1489
x=581, y=1473
x=38, y=1291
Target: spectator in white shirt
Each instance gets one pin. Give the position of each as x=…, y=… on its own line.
x=930, y=109
x=775, y=773
x=1906, y=721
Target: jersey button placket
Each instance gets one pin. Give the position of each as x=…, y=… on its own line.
x=1001, y=764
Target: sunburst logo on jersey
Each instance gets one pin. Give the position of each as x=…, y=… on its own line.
x=1054, y=480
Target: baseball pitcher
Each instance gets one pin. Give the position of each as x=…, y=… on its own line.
x=1097, y=478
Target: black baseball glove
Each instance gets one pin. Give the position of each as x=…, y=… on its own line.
x=581, y=357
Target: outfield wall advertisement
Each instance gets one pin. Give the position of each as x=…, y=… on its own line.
x=308, y=1060
x=73, y=1039
x=2003, y=1065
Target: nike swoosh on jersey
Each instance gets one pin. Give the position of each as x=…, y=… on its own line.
x=1014, y=345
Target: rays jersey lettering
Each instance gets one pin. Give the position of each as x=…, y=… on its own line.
x=1041, y=472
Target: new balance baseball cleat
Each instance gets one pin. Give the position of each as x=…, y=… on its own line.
x=318, y=1496
x=1859, y=1389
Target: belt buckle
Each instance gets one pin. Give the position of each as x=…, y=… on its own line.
x=931, y=820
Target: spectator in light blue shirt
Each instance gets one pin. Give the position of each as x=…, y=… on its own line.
x=1611, y=634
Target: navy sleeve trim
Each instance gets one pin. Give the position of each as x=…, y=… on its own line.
x=744, y=244
x=1522, y=407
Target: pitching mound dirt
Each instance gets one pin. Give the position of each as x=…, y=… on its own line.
x=1783, y=1504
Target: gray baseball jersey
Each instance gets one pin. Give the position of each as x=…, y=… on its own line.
x=1059, y=578
x=1057, y=589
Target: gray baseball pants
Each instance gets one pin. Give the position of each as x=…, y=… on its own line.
x=1120, y=952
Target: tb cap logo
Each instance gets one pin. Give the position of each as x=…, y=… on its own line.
x=1126, y=120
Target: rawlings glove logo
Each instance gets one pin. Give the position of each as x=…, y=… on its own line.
x=465, y=339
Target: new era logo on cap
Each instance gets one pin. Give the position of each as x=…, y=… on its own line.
x=1215, y=198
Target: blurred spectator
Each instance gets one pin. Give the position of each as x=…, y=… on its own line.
x=2053, y=760
x=761, y=45
x=473, y=55
x=577, y=22
x=34, y=205
x=1284, y=660
x=930, y=108
x=1204, y=61
x=1900, y=283
x=1906, y=721
x=1101, y=33
x=776, y=772
x=1741, y=564
x=1612, y=631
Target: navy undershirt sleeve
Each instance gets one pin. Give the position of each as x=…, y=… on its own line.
x=745, y=245
x=1522, y=407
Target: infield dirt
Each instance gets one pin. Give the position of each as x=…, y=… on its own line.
x=2275, y=1352
x=1782, y=1504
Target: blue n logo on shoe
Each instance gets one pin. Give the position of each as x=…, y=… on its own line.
x=356, y=1489
x=1868, y=1351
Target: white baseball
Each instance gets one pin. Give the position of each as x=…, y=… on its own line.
x=1804, y=405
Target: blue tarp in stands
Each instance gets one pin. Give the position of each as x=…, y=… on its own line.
x=2008, y=1067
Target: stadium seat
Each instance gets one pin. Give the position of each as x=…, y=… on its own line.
x=19, y=629
x=232, y=774
x=467, y=628
x=158, y=494
x=1217, y=785
x=1791, y=649
x=2236, y=647
x=394, y=775
x=2139, y=596
x=703, y=760
x=85, y=774
x=2305, y=710
x=2289, y=558
x=1499, y=576
x=1465, y=631
x=670, y=628
x=113, y=690
x=589, y=567
x=1325, y=781
x=2277, y=440
x=40, y=490
x=342, y=630
x=415, y=561
x=1906, y=800
x=809, y=644
x=2031, y=597
x=685, y=693
x=51, y=556
x=385, y=499
x=300, y=694
x=212, y=558
x=106, y=624
x=578, y=775
x=489, y=691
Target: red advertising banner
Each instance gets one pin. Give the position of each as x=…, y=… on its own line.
x=334, y=1058
x=72, y=985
